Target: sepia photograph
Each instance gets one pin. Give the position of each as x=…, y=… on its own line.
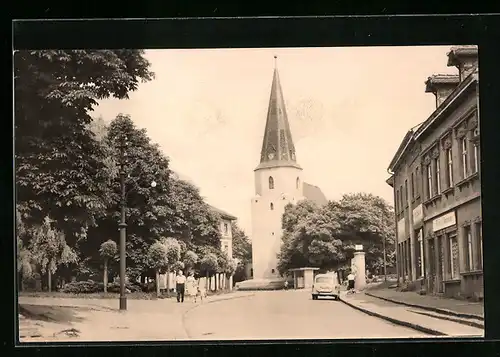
x=230, y=194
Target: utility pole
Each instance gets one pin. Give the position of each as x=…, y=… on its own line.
x=123, y=224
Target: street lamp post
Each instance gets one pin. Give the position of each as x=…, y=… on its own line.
x=123, y=225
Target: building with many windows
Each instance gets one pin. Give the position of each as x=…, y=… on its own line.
x=435, y=177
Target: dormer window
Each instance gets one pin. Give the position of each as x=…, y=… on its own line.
x=271, y=183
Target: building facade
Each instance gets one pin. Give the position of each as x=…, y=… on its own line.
x=278, y=182
x=226, y=244
x=442, y=224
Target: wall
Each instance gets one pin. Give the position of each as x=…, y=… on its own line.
x=408, y=194
x=266, y=222
x=227, y=236
x=462, y=198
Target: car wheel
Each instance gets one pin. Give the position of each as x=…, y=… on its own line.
x=315, y=297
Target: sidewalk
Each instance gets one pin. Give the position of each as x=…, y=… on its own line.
x=405, y=316
x=101, y=320
x=442, y=305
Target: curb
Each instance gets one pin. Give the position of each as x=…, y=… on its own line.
x=184, y=313
x=430, y=308
x=397, y=322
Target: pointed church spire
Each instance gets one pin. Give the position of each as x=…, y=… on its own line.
x=277, y=146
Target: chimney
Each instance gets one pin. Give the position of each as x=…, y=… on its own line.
x=465, y=58
x=441, y=85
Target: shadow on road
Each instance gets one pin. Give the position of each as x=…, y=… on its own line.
x=57, y=314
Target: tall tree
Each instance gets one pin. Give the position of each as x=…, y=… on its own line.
x=368, y=220
x=311, y=239
x=148, y=210
x=59, y=164
x=242, y=252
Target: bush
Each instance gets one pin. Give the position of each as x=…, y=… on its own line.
x=83, y=287
x=90, y=287
x=115, y=287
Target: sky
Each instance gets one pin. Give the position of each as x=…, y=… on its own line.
x=348, y=107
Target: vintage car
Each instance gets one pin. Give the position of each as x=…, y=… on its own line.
x=326, y=285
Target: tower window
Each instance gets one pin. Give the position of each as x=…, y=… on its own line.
x=297, y=182
x=271, y=183
x=271, y=205
x=272, y=271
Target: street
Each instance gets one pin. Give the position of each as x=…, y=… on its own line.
x=286, y=315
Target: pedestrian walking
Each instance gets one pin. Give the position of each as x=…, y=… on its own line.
x=286, y=284
x=180, y=286
x=350, y=282
x=191, y=286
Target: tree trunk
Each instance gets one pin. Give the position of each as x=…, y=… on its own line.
x=157, y=283
x=208, y=284
x=49, y=280
x=215, y=281
x=105, y=277
x=168, y=280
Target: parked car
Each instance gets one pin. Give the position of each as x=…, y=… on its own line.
x=326, y=285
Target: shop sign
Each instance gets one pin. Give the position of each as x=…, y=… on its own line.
x=444, y=221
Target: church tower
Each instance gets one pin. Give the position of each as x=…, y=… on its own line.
x=278, y=182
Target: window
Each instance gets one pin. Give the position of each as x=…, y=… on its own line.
x=479, y=246
x=453, y=256
x=397, y=201
x=412, y=186
x=464, y=157
x=438, y=175
x=226, y=228
x=271, y=206
x=401, y=198
x=419, y=251
x=468, y=247
x=449, y=158
x=476, y=157
x=272, y=271
x=406, y=193
x=297, y=183
x=271, y=183
x=429, y=181
x=417, y=179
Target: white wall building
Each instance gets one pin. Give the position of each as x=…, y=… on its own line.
x=278, y=181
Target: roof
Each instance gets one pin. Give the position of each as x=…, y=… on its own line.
x=305, y=268
x=314, y=193
x=401, y=149
x=390, y=181
x=223, y=214
x=451, y=99
x=458, y=52
x=277, y=145
x=441, y=79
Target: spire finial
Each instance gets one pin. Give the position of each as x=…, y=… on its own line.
x=275, y=61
